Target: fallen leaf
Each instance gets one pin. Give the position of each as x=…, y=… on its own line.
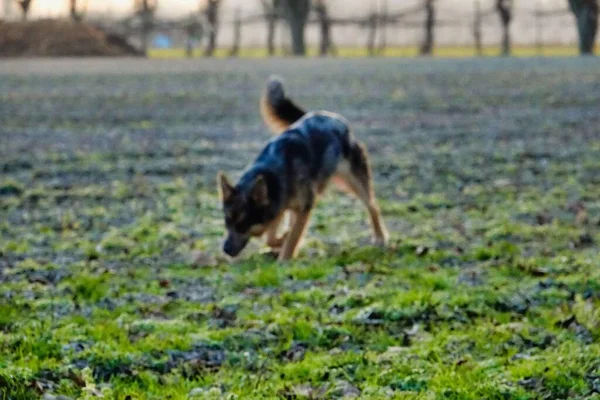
x=164, y=283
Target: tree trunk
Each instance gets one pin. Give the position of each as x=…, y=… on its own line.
x=427, y=46
x=237, y=34
x=271, y=9
x=75, y=16
x=297, y=30
x=189, y=47
x=383, y=21
x=145, y=37
x=296, y=14
x=586, y=15
x=271, y=26
x=372, y=35
x=477, y=29
x=212, y=16
x=145, y=10
x=25, y=6
x=325, y=27
x=194, y=31
x=504, y=8
x=146, y=29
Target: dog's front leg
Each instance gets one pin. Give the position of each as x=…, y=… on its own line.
x=274, y=241
x=294, y=236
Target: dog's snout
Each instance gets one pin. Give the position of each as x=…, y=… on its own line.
x=234, y=244
x=229, y=249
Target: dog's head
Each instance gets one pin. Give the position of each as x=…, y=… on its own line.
x=247, y=211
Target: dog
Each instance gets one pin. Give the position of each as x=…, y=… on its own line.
x=293, y=169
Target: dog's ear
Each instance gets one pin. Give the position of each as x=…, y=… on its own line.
x=225, y=187
x=260, y=192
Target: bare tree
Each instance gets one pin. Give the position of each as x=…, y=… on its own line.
x=76, y=15
x=372, y=20
x=212, y=17
x=505, y=11
x=296, y=14
x=272, y=10
x=384, y=19
x=145, y=10
x=322, y=11
x=237, y=34
x=194, y=30
x=25, y=7
x=586, y=15
x=477, y=28
x=427, y=46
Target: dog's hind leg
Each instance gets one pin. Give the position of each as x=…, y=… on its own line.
x=355, y=177
x=294, y=236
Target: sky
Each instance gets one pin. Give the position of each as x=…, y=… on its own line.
x=173, y=8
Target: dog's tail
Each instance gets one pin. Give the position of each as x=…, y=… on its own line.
x=277, y=110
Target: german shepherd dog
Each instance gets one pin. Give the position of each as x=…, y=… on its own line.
x=291, y=172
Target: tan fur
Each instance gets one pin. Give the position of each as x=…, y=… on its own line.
x=275, y=124
x=294, y=237
x=362, y=190
x=274, y=241
x=354, y=177
x=225, y=187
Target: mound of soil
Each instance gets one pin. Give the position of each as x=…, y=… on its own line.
x=60, y=38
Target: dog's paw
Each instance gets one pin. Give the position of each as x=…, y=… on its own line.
x=381, y=241
x=277, y=243
x=271, y=255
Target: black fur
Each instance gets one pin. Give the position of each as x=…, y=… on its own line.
x=279, y=105
x=310, y=150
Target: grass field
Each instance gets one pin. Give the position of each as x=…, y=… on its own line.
x=488, y=173
x=398, y=51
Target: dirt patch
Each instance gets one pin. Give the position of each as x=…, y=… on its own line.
x=60, y=38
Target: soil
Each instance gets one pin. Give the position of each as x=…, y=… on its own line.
x=60, y=38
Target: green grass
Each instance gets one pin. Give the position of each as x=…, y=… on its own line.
x=487, y=173
x=396, y=51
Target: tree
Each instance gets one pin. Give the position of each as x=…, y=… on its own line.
x=75, y=14
x=586, y=15
x=194, y=31
x=145, y=10
x=384, y=20
x=371, y=23
x=25, y=6
x=477, y=29
x=212, y=17
x=322, y=11
x=237, y=34
x=272, y=10
x=296, y=14
x=427, y=46
x=504, y=8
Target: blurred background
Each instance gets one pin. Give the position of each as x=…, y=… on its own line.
x=260, y=28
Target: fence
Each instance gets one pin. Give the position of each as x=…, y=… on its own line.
x=383, y=28
x=379, y=26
